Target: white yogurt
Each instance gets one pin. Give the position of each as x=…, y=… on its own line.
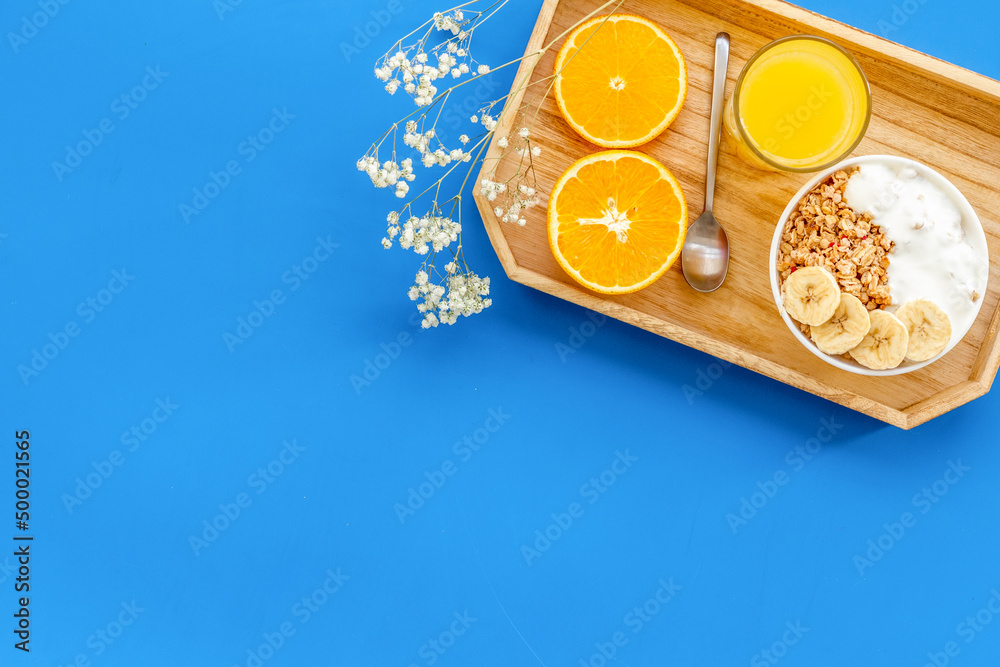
x=934, y=257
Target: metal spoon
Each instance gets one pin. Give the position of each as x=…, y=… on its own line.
x=705, y=256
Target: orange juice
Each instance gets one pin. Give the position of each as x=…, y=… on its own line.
x=801, y=104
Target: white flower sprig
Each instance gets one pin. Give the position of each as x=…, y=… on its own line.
x=410, y=65
x=418, y=67
x=515, y=194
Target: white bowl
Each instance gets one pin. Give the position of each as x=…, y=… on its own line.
x=970, y=223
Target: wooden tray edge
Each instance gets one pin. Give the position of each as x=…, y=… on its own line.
x=944, y=401
x=723, y=350
x=497, y=238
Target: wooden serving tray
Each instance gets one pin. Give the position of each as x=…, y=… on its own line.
x=925, y=109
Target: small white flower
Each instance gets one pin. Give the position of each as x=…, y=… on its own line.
x=536, y=151
x=483, y=69
x=464, y=139
x=386, y=243
x=524, y=133
x=503, y=143
x=474, y=119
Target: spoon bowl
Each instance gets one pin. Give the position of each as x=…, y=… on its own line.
x=705, y=257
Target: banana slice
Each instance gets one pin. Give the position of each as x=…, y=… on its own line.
x=929, y=328
x=810, y=295
x=848, y=326
x=884, y=346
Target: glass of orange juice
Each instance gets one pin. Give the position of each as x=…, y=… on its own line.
x=802, y=103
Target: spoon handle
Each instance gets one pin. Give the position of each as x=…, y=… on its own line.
x=718, y=93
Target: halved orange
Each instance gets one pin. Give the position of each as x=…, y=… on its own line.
x=620, y=80
x=616, y=221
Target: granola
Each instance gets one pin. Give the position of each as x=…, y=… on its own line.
x=824, y=231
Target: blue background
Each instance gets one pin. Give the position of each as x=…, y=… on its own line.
x=125, y=537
